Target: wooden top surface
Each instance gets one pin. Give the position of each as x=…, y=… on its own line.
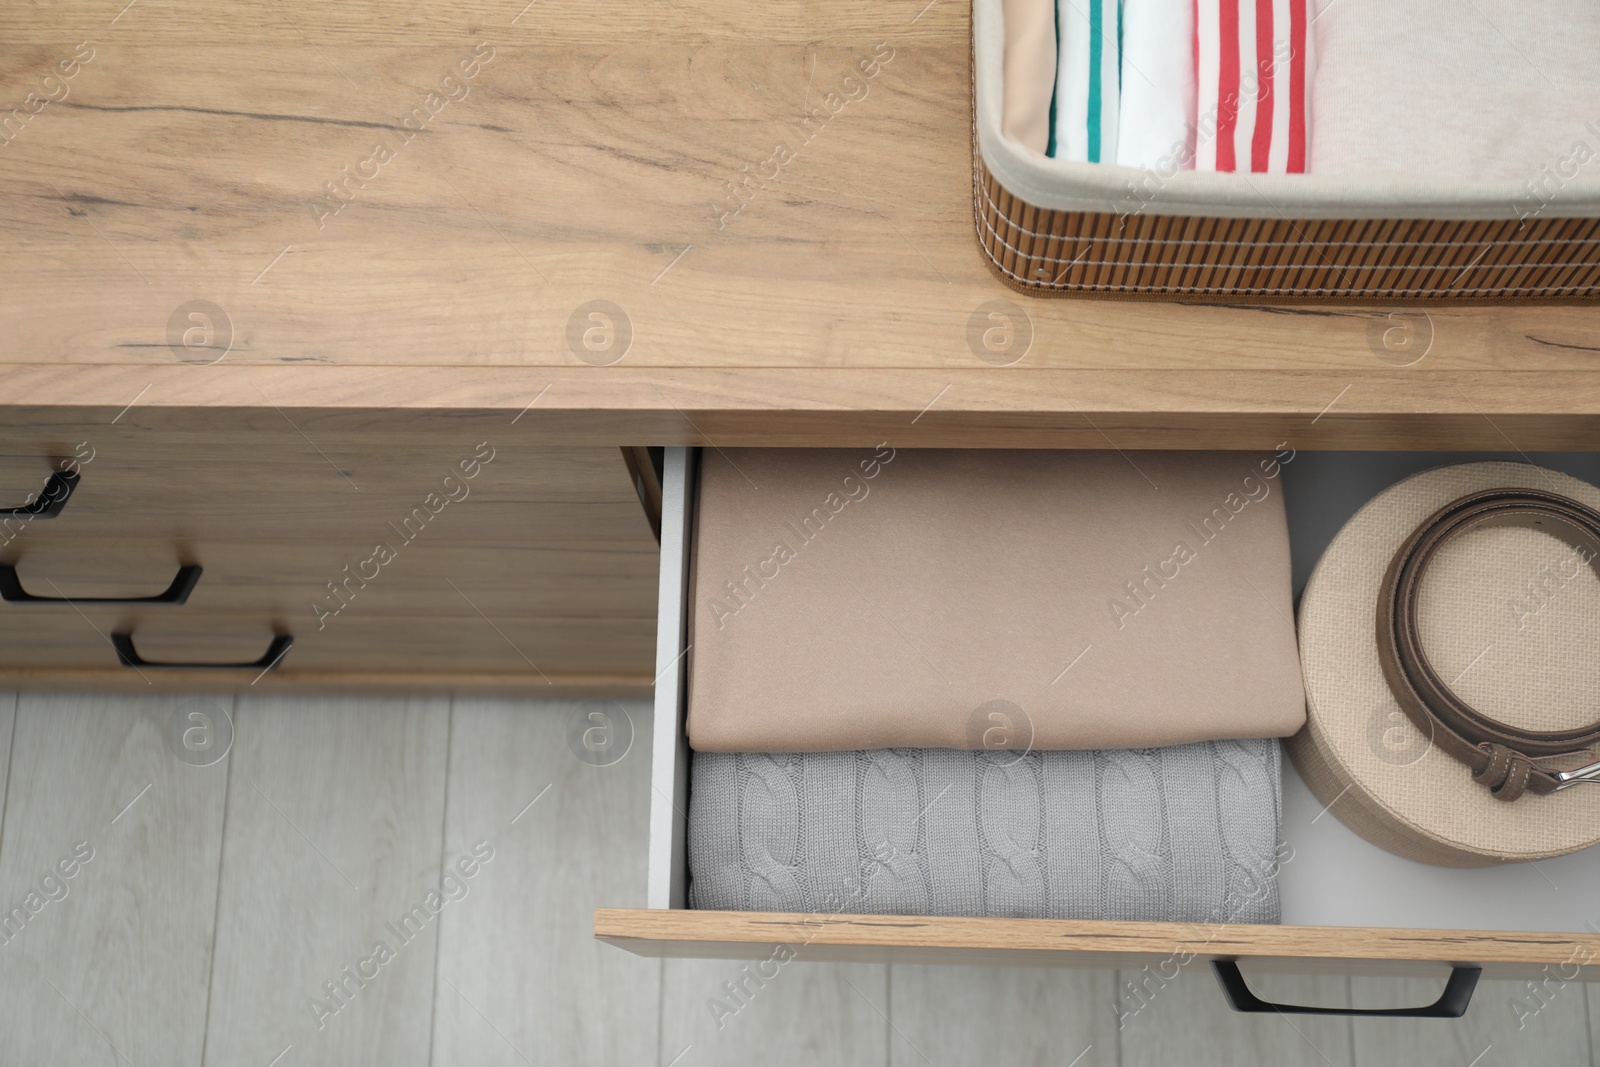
x=592, y=155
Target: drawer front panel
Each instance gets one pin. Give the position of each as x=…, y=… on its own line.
x=424, y=555
x=356, y=491
x=291, y=579
x=687, y=934
x=531, y=649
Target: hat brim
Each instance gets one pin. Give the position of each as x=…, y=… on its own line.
x=1510, y=615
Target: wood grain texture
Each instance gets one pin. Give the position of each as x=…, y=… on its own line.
x=625, y=154
x=421, y=553
x=335, y=817
x=1022, y=1016
x=142, y=459
x=646, y=480
x=1158, y=1018
x=1074, y=943
x=564, y=22
x=286, y=486
x=540, y=647
x=118, y=968
x=371, y=682
x=1508, y=1023
x=553, y=578
x=1016, y=407
x=519, y=977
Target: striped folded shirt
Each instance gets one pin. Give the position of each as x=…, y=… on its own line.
x=1083, y=115
x=1253, y=67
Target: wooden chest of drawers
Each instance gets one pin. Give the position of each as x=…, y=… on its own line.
x=610, y=155
x=429, y=559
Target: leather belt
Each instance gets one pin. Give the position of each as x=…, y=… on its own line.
x=1506, y=759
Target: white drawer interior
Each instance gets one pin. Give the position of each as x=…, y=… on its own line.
x=1334, y=879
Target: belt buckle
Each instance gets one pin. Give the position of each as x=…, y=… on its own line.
x=1591, y=773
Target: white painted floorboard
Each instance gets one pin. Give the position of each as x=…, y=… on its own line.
x=113, y=966
x=335, y=812
x=8, y=713
x=1016, y=1016
x=521, y=977
x=805, y=1013
x=1492, y=1034
x=1186, y=1020
x=222, y=898
x=1593, y=994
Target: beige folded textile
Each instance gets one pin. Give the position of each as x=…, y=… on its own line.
x=1030, y=71
x=1463, y=89
x=877, y=598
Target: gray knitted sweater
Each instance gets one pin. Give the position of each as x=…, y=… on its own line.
x=1186, y=834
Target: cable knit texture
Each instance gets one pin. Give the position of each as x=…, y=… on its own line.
x=1182, y=834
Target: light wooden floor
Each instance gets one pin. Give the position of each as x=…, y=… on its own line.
x=220, y=899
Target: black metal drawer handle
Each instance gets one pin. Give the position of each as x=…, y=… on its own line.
x=183, y=584
x=1452, y=1003
x=123, y=643
x=48, y=504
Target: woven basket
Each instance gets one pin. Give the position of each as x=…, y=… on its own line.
x=1059, y=227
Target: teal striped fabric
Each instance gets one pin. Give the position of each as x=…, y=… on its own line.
x=1083, y=114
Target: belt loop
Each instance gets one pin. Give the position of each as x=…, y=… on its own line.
x=1506, y=774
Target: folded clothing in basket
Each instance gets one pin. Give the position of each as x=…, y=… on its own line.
x=939, y=598
x=1088, y=81
x=1253, y=77
x=1164, y=85
x=1030, y=68
x=1156, y=115
x=1181, y=834
x=1447, y=89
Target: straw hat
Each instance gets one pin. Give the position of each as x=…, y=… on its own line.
x=1510, y=617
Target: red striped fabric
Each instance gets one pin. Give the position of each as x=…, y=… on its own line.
x=1194, y=20
x=1261, y=138
x=1252, y=66
x=1228, y=82
x=1297, y=88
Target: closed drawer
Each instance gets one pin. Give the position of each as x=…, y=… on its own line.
x=517, y=616
x=292, y=579
x=432, y=559
x=527, y=653
x=355, y=490
x=1348, y=907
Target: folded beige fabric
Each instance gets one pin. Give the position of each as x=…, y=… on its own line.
x=875, y=598
x=1030, y=79
x=1470, y=89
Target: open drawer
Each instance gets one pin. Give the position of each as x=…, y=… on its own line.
x=1348, y=906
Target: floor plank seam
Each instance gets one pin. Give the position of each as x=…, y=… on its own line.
x=888, y=1008
x=1350, y=1023
x=216, y=914
x=1116, y=993
x=1589, y=1022
x=11, y=751
x=661, y=1010
x=444, y=832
